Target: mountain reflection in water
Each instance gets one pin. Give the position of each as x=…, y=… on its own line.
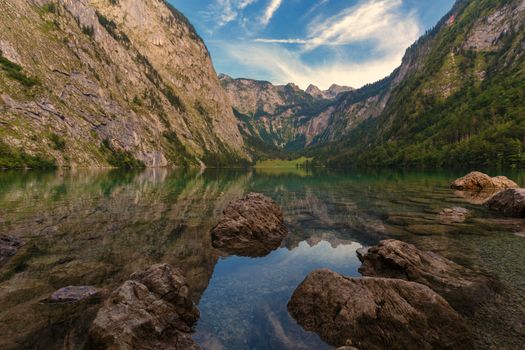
x=97, y=227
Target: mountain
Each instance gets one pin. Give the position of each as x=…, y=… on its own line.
x=279, y=120
x=109, y=83
x=457, y=99
x=333, y=91
x=274, y=119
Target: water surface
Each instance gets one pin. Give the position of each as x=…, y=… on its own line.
x=97, y=227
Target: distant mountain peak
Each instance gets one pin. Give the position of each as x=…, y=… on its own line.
x=333, y=91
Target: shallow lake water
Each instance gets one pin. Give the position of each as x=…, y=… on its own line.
x=96, y=227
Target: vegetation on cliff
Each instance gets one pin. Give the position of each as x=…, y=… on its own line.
x=463, y=106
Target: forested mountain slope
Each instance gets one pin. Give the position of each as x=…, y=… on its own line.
x=109, y=83
x=461, y=100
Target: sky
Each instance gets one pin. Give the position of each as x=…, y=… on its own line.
x=346, y=42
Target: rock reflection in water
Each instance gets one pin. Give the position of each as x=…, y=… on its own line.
x=96, y=228
x=244, y=306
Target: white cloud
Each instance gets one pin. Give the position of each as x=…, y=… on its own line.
x=272, y=7
x=380, y=23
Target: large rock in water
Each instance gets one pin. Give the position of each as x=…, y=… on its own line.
x=377, y=313
x=9, y=245
x=510, y=202
x=461, y=287
x=477, y=181
x=153, y=310
x=251, y=226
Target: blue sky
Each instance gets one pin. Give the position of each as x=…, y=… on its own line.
x=348, y=42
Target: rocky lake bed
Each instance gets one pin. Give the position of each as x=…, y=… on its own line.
x=261, y=260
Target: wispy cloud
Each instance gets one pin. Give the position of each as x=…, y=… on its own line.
x=223, y=12
x=380, y=21
x=272, y=7
x=314, y=8
x=282, y=41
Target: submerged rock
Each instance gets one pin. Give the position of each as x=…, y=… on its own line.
x=510, y=202
x=477, y=181
x=377, y=313
x=73, y=294
x=456, y=214
x=152, y=310
x=251, y=226
x=476, y=197
x=460, y=286
x=9, y=245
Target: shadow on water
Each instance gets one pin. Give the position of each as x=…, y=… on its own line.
x=87, y=227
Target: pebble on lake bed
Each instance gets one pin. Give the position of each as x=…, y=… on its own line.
x=456, y=214
x=9, y=246
x=72, y=294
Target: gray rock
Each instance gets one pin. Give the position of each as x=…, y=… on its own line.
x=377, y=313
x=461, y=287
x=251, y=226
x=152, y=310
x=510, y=202
x=73, y=294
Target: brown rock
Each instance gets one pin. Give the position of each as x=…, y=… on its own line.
x=510, y=202
x=460, y=286
x=153, y=310
x=251, y=226
x=477, y=181
x=9, y=245
x=377, y=313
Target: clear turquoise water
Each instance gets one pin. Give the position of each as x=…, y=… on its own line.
x=96, y=228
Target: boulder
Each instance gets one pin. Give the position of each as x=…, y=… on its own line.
x=74, y=294
x=152, y=310
x=477, y=181
x=460, y=286
x=510, y=202
x=251, y=226
x=9, y=245
x=452, y=215
x=377, y=313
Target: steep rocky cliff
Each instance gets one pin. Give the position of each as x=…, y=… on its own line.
x=281, y=116
x=100, y=83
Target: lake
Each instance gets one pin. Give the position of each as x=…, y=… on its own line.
x=87, y=227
